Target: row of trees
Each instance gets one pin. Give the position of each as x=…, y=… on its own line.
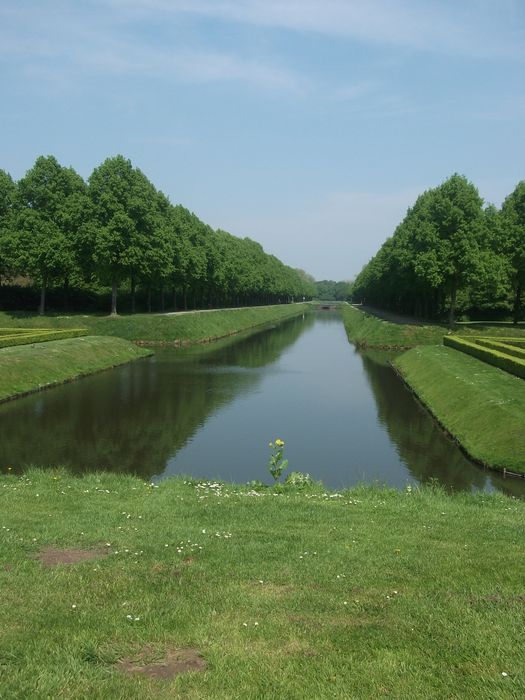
x=450, y=252
x=117, y=228
x=329, y=290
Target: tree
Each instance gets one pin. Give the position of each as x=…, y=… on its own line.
x=46, y=197
x=513, y=225
x=7, y=222
x=124, y=206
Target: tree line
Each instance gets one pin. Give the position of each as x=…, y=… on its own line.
x=117, y=230
x=330, y=290
x=451, y=254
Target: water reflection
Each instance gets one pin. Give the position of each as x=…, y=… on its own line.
x=134, y=418
x=210, y=411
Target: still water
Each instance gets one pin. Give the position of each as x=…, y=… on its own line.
x=210, y=412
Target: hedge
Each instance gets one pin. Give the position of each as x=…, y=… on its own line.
x=503, y=347
x=498, y=358
x=39, y=335
x=13, y=331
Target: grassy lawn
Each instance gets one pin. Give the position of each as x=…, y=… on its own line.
x=368, y=331
x=190, y=327
x=482, y=406
x=363, y=594
x=28, y=368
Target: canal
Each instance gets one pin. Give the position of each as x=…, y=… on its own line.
x=210, y=411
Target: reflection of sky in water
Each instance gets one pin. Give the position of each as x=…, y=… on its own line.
x=211, y=411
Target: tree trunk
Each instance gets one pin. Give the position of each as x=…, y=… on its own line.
x=162, y=299
x=149, y=298
x=185, y=299
x=133, y=287
x=114, y=298
x=66, y=293
x=174, y=299
x=42, y=307
x=517, y=305
x=452, y=311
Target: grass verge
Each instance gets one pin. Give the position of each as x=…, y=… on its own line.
x=367, y=593
x=185, y=328
x=28, y=368
x=479, y=405
x=368, y=331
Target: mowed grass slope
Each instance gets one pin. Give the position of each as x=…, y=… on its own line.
x=185, y=327
x=27, y=368
x=369, y=593
x=482, y=406
x=368, y=331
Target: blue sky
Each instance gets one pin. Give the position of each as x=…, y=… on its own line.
x=308, y=125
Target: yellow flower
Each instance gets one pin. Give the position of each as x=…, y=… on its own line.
x=279, y=442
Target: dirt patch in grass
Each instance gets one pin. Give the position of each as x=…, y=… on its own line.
x=270, y=590
x=172, y=664
x=52, y=556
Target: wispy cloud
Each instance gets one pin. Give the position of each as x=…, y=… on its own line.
x=79, y=42
x=478, y=28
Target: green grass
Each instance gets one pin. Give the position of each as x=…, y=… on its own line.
x=27, y=368
x=186, y=328
x=480, y=405
x=368, y=331
x=506, y=357
x=371, y=593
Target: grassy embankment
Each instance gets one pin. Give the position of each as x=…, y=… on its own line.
x=369, y=593
x=184, y=328
x=481, y=406
x=368, y=331
x=28, y=368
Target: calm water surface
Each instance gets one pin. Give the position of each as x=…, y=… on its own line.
x=211, y=411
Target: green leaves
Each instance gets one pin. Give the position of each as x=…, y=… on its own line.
x=448, y=250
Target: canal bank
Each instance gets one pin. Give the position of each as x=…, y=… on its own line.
x=29, y=368
x=177, y=329
x=209, y=411
x=479, y=406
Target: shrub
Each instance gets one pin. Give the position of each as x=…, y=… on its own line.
x=40, y=335
x=492, y=356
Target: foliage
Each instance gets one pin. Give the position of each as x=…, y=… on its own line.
x=119, y=229
x=298, y=479
x=328, y=290
x=49, y=210
x=513, y=242
x=277, y=464
x=449, y=254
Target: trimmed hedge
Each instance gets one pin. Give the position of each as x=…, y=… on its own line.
x=505, y=347
x=28, y=336
x=492, y=356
